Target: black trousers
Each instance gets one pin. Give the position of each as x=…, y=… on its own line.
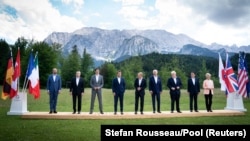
x=139, y=96
x=156, y=97
x=193, y=101
x=208, y=101
x=77, y=98
x=175, y=99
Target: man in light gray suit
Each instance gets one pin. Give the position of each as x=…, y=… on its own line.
x=96, y=83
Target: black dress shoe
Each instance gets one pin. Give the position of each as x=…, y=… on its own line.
x=196, y=111
x=121, y=113
x=50, y=112
x=90, y=112
x=55, y=112
x=141, y=113
x=158, y=111
x=179, y=111
x=135, y=113
x=79, y=112
x=114, y=113
x=73, y=112
x=210, y=111
x=172, y=111
x=153, y=111
x=102, y=113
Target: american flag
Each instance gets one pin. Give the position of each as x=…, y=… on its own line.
x=242, y=76
x=229, y=77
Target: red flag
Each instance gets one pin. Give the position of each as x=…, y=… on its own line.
x=8, y=79
x=16, y=75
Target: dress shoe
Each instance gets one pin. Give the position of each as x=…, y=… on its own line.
x=114, y=113
x=79, y=112
x=50, y=112
x=196, y=111
x=135, y=113
x=172, y=111
x=141, y=113
x=55, y=112
x=102, y=113
x=90, y=112
x=121, y=113
x=158, y=111
x=210, y=111
x=179, y=111
x=191, y=110
x=153, y=111
x=73, y=112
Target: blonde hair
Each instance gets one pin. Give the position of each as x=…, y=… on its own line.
x=173, y=72
x=208, y=75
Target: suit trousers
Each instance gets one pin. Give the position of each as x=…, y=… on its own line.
x=53, y=100
x=175, y=99
x=156, y=98
x=99, y=96
x=139, y=96
x=77, y=98
x=120, y=98
x=193, y=101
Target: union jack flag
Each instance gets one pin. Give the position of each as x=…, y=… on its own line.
x=230, y=77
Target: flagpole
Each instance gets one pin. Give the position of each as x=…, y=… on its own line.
x=25, y=79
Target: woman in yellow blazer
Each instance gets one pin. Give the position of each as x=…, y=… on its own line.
x=208, y=91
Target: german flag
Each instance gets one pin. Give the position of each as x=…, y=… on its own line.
x=8, y=79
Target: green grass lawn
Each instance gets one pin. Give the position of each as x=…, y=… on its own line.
x=15, y=128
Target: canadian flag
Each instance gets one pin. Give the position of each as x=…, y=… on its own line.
x=15, y=76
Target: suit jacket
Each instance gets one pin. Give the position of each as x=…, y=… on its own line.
x=54, y=86
x=143, y=85
x=77, y=89
x=193, y=88
x=171, y=84
x=94, y=83
x=207, y=86
x=118, y=88
x=156, y=88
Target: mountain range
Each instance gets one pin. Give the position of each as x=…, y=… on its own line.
x=117, y=45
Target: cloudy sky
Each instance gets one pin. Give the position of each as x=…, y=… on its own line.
x=225, y=22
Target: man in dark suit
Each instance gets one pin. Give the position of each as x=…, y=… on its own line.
x=53, y=87
x=77, y=90
x=139, y=85
x=193, y=90
x=96, y=83
x=174, y=84
x=118, y=89
x=155, y=89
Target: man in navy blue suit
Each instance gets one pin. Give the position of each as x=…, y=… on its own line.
x=193, y=90
x=118, y=89
x=76, y=91
x=155, y=89
x=53, y=87
x=174, y=84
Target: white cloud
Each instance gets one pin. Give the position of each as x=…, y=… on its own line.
x=76, y=3
x=176, y=17
x=37, y=20
x=130, y=2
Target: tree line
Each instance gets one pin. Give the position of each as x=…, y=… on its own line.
x=51, y=56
